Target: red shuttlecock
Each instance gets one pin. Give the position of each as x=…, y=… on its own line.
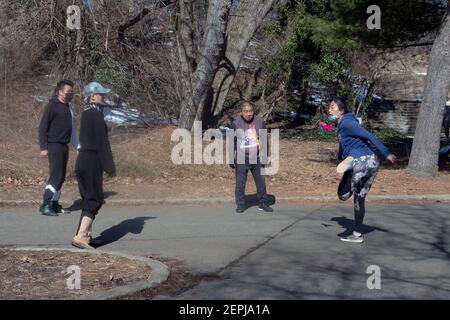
x=326, y=127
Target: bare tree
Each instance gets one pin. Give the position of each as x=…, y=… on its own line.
x=424, y=153
x=207, y=71
x=198, y=65
x=243, y=24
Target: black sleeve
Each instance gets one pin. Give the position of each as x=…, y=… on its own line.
x=43, y=127
x=234, y=127
x=103, y=146
x=446, y=121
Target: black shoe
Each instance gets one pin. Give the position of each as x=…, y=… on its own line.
x=345, y=233
x=345, y=186
x=264, y=207
x=240, y=210
x=46, y=210
x=56, y=207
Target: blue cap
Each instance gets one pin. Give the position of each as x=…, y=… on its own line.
x=95, y=88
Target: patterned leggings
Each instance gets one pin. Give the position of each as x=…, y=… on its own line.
x=365, y=170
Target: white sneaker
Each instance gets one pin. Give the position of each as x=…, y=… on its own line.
x=345, y=165
x=353, y=238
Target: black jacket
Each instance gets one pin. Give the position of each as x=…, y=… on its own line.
x=446, y=120
x=94, y=137
x=56, y=125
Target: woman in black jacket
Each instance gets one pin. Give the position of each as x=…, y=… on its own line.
x=94, y=157
x=446, y=120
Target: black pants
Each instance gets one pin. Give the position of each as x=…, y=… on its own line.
x=241, y=180
x=58, y=155
x=90, y=182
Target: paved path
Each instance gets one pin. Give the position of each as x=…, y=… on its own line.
x=293, y=253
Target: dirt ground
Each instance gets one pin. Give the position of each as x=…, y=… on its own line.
x=43, y=274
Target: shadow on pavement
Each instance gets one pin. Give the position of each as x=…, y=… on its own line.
x=348, y=224
x=251, y=200
x=117, y=232
x=75, y=206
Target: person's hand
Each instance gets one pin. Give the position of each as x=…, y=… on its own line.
x=44, y=153
x=391, y=158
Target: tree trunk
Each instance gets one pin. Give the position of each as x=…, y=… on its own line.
x=242, y=27
x=425, y=149
x=203, y=85
x=198, y=69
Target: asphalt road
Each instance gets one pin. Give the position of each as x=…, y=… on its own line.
x=293, y=253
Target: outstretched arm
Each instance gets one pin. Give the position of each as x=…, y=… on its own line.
x=355, y=130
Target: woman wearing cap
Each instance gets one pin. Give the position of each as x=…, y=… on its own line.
x=94, y=157
x=355, y=149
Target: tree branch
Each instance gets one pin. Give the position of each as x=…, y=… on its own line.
x=130, y=23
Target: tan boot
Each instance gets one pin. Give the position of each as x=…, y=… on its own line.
x=81, y=240
x=92, y=241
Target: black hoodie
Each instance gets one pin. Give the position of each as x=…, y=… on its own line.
x=94, y=137
x=56, y=124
